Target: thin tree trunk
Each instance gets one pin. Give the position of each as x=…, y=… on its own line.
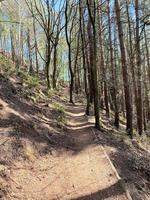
x=139, y=73
x=114, y=93
x=13, y=54
x=102, y=64
x=69, y=54
x=36, y=46
x=29, y=52
x=131, y=56
x=82, y=29
x=76, y=67
x=47, y=66
x=55, y=66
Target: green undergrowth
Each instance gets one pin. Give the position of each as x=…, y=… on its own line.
x=37, y=96
x=121, y=134
x=144, y=140
x=51, y=93
x=61, y=118
x=30, y=80
x=35, y=88
x=10, y=69
x=7, y=65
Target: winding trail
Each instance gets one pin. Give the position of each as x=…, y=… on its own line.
x=90, y=175
x=81, y=171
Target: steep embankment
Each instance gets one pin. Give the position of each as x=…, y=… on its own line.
x=31, y=126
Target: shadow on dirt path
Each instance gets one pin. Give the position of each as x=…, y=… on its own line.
x=80, y=170
x=90, y=175
x=64, y=164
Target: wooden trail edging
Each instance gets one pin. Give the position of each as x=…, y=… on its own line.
x=121, y=181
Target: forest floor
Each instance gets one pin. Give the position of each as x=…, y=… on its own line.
x=41, y=159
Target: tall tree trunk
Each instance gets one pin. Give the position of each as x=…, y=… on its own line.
x=147, y=84
x=128, y=104
x=68, y=40
x=147, y=55
x=93, y=55
x=36, y=46
x=102, y=65
x=76, y=67
x=55, y=66
x=114, y=92
x=48, y=59
x=21, y=47
x=29, y=52
x=13, y=54
x=131, y=57
x=82, y=29
x=139, y=73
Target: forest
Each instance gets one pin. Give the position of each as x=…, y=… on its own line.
x=74, y=81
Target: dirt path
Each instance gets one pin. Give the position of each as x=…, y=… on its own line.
x=40, y=161
x=80, y=171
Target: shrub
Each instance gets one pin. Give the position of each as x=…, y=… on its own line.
x=61, y=114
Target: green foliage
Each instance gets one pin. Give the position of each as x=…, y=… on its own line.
x=7, y=65
x=56, y=92
x=31, y=81
x=61, y=114
x=23, y=75
x=142, y=139
x=58, y=107
x=51, y=93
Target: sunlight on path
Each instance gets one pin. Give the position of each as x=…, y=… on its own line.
x=81, y=172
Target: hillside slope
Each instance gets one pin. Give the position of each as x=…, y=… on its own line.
x=31, y=126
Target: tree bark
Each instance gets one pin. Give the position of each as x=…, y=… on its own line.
x=93, y=55
x=36, y=46
x=114, y=92
x=128, y=104
x=29, y=52
x=68, y=40
x=139, y=73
